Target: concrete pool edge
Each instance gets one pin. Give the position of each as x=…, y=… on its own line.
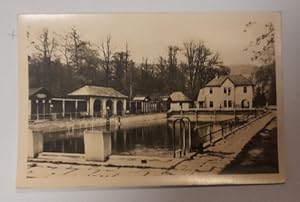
x=113, y=161
x=61, y=125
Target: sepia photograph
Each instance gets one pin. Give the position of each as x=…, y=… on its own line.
x=150, y=99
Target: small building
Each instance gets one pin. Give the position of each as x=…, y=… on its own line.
x=226, y=92
x=164, y=103
x=179, y=101
x=101, y=100
x=39, y=105
x=140, y=104
x=148, y=104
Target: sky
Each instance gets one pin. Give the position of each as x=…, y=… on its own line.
x=149, y=34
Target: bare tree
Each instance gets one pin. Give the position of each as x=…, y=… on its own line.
x=200, y=66
x=65, y=46
x=262, y=49
x=46, y=47
x=172, y=69
x=76, y=48
x=119, y=64
x=107, y=57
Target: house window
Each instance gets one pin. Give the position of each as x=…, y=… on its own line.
x=245, y=89
x=225, y=90
x=210, y=90
x=229, y=103
x=229, y=91
x=211, y=104
x=225, y=103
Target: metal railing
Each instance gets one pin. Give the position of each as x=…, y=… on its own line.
x=182, y=136
x=227, y=128
x=67, y=115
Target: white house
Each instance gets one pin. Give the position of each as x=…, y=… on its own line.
x=225, y=92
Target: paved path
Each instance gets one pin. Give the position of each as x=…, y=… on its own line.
x=213, y=160
x=223, y=152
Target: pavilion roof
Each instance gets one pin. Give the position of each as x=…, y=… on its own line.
x=97, y=91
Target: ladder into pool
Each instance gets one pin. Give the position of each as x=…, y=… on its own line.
x=182, y=136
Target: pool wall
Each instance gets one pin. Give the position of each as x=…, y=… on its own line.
x=125, y=121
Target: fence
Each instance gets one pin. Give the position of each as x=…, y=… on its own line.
x=54, y=116
x=227, y=128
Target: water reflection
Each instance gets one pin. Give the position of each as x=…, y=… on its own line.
x=150, y=139
x=143, y=140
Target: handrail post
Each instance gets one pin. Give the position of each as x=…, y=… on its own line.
x=189, y=133
x=183, y=141
x=222, y=129
x=174, y=148
x=196, y=117
x=210, y=135
x=180, y=137
x=190, y=137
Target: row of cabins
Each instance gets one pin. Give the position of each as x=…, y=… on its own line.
x=96, y=101
x=224, y=92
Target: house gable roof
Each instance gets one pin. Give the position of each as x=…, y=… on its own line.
x=98, y=91
x=237, y=80
x=178, y=96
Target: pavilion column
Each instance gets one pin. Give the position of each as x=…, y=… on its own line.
x=76, y=107
x=63, y=108
x=125, y=139
x=44, y=108
x=251, y=103
x=91, y=105
x=29, y=109
x=103, y=103
x=88, y=107
x=37, y=110
x=124, y=107
x=115, y=107
x=142, y=107
x=115, y=138
x=148, y=107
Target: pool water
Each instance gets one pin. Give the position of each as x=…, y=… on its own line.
x=148, y=139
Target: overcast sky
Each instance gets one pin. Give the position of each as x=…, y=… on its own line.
x=148, y=35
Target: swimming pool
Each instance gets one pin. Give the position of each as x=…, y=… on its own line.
x=153, y=138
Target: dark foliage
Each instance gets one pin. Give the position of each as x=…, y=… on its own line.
x=263, y=50
x=64, y=63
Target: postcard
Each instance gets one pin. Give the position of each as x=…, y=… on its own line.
x=150, y=99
